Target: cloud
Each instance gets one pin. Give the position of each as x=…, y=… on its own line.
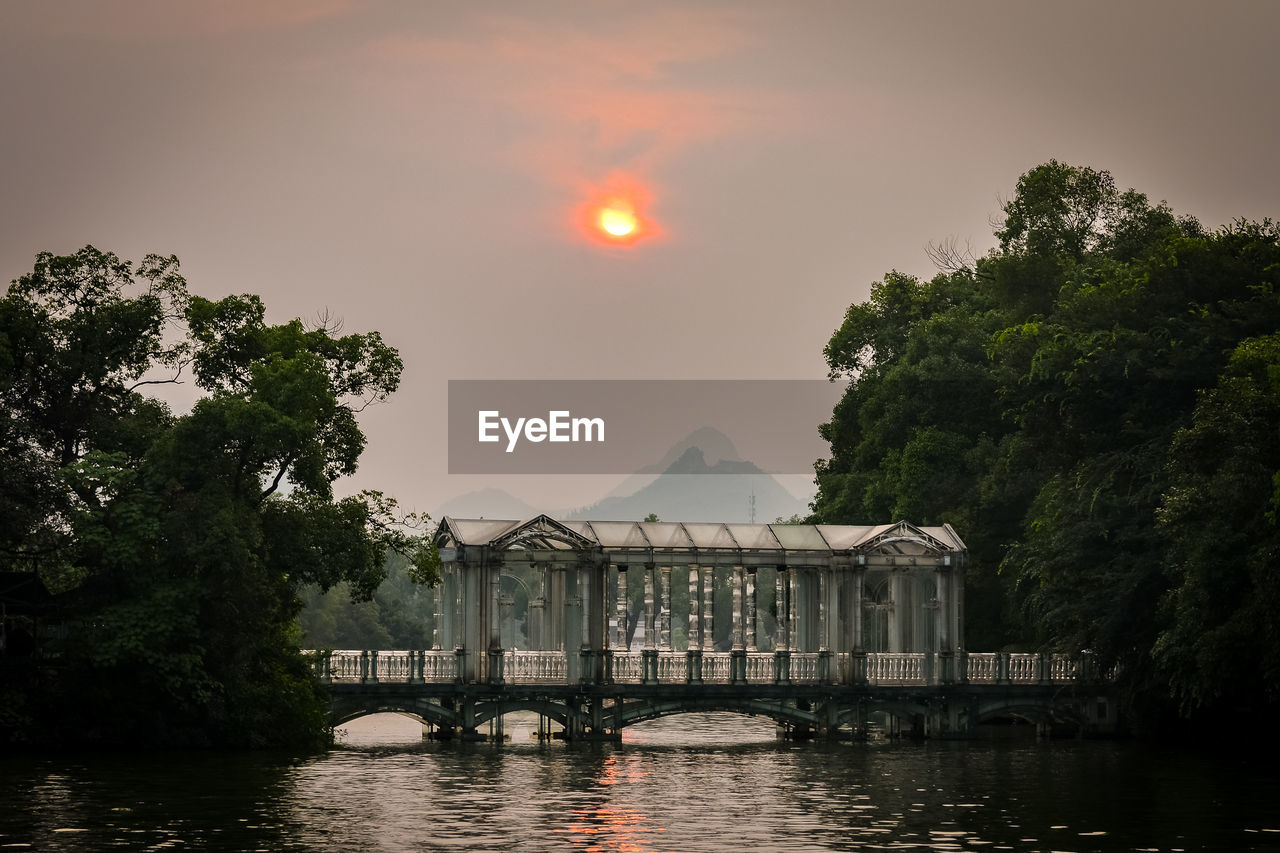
x=141, y=20
x=579, y=98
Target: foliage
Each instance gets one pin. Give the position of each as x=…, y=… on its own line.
x=179, y=542
x=1052, y=401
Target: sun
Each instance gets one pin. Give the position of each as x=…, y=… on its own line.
x=615, y=213
x=618, y=219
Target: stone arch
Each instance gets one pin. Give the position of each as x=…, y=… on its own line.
x=424, y=711
x=908, y=712
x=639, y=711
x=1046, y=713
x=557, y=712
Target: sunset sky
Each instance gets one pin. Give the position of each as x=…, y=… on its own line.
x=430, y=169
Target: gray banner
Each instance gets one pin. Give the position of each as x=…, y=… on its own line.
x=638, y=426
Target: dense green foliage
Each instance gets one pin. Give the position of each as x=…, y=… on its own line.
x=1093, y=405
x=178, y=543
x=401, y=613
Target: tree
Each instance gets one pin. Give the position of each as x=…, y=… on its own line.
x=1219, y=647
x=180, y=541
x=1042, y=400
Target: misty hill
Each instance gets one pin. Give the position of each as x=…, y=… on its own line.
x=486, y=503
x=691, y=490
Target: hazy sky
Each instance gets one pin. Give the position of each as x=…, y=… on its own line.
x=419, y=168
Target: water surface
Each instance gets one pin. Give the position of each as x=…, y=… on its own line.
x=709, y=782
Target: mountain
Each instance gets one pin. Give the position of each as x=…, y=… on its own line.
x=689, y=489
x=486, y=503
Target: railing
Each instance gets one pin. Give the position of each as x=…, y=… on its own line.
x=1022, y=668
x=981, y=667
x=760, y=667
x=552, y=667
x=804, y=666
x=628, y=667
x=887, y=668
x=535, y=667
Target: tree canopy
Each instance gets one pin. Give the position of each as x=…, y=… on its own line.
x=178, y=542
x=1093, y=404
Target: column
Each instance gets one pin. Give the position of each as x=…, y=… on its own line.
x=782, y=605
x=571, y=633
x=897, y=612
x=650, y=616
x=824, y=584
x=494, y=645
x=737, y=628
x=943, y=613
x=708, y=599
x=855, y=608
x=664, y=607
x=793, y=608
x=695, y=604
x=621, y=604
x=859, y=656
x=751, y=609
x=694, y=651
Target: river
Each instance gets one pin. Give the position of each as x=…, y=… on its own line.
x=710, y=782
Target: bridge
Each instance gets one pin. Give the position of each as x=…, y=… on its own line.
x=623, y=622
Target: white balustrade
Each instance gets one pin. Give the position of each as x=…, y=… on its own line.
x=673, y=667
x=628, y=667
x=895, y=668
x=394, y=666
x=550, y=667
x=1022, y=668
x=804, y=667
x=760, y=667
x=1062, y=668
x=535, y=667
x=981, y=668
x=715, y=667
x=439, y=666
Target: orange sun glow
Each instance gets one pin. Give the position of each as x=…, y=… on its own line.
x=615, y=213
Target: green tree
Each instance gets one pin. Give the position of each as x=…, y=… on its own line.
x=1220, y=645
x=181, y=541
x=1038, y=399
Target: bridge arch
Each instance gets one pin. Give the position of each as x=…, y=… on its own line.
x=641, y=710
x=557, y=712
x=1036, y=714
x=423, y=711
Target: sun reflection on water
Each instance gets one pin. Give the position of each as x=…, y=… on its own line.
x=613, y=827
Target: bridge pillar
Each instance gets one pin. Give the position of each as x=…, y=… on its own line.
x=738, y=666
x=858, y=667
x=649, y=665
x=782, y=666
x=946, y=667
x=1002, y=667
x=752, y=615
x=859, y=724
x=694, y=670
x=826, y=667
x=495, y=659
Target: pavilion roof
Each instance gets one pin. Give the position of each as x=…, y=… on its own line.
x=544, y=532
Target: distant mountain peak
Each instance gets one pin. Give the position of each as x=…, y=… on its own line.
x=709, y=441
